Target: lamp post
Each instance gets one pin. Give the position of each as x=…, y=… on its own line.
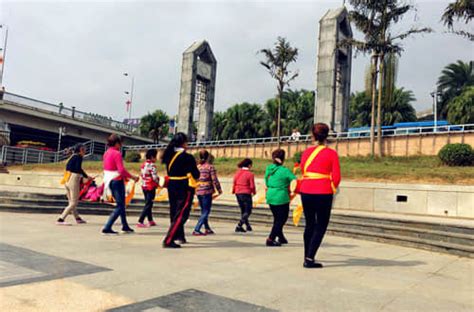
x=4, y=52
x=130, y=101
x=435, y=95
x=62, y=131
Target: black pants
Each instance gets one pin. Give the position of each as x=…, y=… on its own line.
x=245, y=204
x=180, y=198
x=317, y=211
x=147, y=213
x=280, y=216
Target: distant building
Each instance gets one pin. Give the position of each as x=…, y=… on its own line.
x=134, y=122
x=426, y=114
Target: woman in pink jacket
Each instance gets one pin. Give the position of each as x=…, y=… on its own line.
x=244, y=189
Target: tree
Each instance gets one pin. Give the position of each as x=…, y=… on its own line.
x=399, y=108
x=461, y=108
x=300, y=112
x=453, y=80
x=277, y=62
x=375, y=19
x=218, y=124
x=155, y=125
x=460, y=10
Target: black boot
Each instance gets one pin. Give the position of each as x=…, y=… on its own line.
x=171, y=245
x=240, y=229
x=311, y=264
x=249, y=228
x=282, y=240
x=272, y=243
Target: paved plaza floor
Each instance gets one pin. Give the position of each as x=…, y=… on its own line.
x=44, y=267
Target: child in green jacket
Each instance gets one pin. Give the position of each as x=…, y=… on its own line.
x=277, y=182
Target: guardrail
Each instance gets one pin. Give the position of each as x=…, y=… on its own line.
x=68, y=112
x=308, y=138
x=18, y=155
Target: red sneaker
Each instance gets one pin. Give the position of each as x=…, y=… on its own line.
x=141, y=225
x=198, y=233
x=152, y=223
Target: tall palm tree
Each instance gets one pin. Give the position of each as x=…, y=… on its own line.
x=277, y=61
x=360, y=109
x=375, y=19
x=245, y=121
x=460, y=10
x=453, y=80
x=155, y=125
x=461, y=108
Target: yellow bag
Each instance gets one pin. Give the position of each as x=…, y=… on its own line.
x=192, y=182
x=297, y=212
x=260, y=200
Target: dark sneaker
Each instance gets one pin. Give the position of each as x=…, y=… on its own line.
x=128, y=231
x=210, y=232
x=199, y=233
x=182, y=241
x=272, y=243
x=282, y=240
x=80, y=221
x=249, y=228
x=171, y=245
x=311, y=264
x=240, y=229
x=62, y=222
x=109, y=232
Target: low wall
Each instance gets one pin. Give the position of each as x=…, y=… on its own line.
x=427, y=144
x=451, y=201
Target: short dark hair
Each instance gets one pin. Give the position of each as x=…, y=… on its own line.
x=114, y=139
x=320, y=132
x=78, y=147
x=278, y=154
x=151, y=153
x=245, y=163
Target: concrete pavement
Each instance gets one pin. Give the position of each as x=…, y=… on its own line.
x=76, y=269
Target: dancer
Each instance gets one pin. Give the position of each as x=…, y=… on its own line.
x=150, y=182
x=208, y=183
x=244, y=188
x=277, y=182
x=115, y=175
x=182, y=169
x=321, y=177
x=72, y=183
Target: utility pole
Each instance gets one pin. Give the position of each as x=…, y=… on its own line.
x=130, y=101
x=435, y=95
x=62, y=131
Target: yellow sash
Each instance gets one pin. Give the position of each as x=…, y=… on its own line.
x=191, y=181
x=315, y=175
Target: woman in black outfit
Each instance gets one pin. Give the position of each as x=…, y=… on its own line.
x=179, y=165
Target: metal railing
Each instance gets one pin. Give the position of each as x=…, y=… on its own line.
x=18, y=155
x=308, y=138
x=68, y=112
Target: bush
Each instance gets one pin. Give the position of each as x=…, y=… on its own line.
x=457, y=154
x=297, y=157
x=133, y=157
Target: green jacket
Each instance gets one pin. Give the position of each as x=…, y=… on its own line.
x=277, y=181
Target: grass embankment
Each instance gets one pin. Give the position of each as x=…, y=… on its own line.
x=389, y=169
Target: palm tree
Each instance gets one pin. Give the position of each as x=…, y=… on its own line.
x=399, y=109
x=360, y=109
x=155, y=125
x=453, y=80
x=245, y=121
x=459, y=10
x=461, y=108
x=277, y=61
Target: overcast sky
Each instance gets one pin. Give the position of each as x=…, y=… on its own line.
x=76, y=52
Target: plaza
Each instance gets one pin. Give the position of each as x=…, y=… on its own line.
x=74, y=268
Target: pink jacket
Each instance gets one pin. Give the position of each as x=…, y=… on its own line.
x=113, y=162
x=244, y=182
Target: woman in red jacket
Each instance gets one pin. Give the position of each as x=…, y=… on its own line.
x=244, y=189
x=321, y=177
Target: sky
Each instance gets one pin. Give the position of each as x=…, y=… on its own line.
x=76, y=52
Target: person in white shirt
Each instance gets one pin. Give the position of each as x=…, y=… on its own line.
x=295, y=136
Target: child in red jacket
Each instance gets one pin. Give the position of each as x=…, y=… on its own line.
x=150, y=182
x=244, y=189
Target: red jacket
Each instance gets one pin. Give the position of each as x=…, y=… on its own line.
x=326, y=162
x=244, y=182
x=149, y=176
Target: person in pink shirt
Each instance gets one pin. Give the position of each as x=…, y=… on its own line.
x=115, y=176
x=244, y=188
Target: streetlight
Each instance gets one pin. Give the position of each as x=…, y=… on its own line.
x=435, y=95
x=62, y=132
x=4, y=52
x=130, y=101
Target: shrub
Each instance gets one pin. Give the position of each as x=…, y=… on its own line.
x=297, y=157
x=133, y=157
x=457, y=154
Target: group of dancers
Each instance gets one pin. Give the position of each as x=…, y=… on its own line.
x=187, y=177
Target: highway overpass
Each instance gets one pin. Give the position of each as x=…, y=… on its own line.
x=34, y=120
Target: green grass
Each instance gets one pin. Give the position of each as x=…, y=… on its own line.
x=423, y=169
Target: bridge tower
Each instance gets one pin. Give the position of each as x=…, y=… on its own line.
x=333, y=81
x=196, y=98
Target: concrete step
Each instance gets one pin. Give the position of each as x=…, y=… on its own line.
x=458, y=243
x=3, y=169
